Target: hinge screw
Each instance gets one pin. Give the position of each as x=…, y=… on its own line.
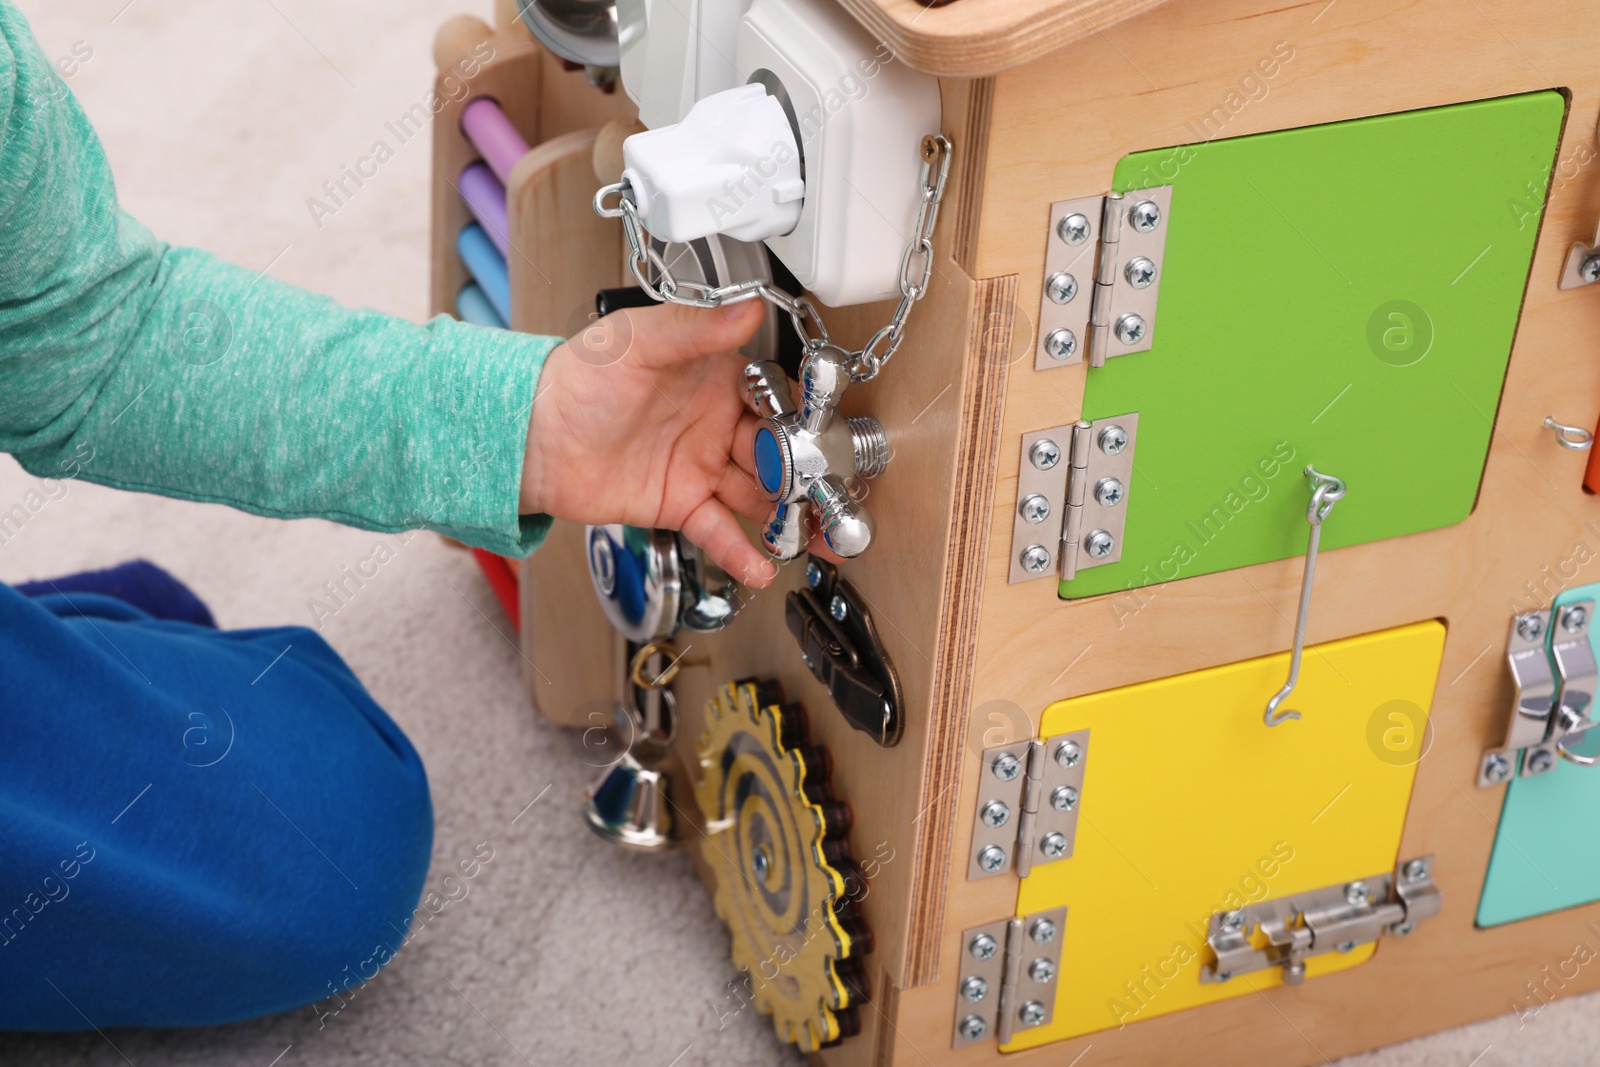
x=1073, y=229
x=1356, y=893
x=1044, y=454
x=995, y=814
x=1130, y=329
x=1034, y=559
x=1064, y=798
x=1006, y=766
x=1541, y=761
x=1042, y=970
x=1415, y=870
x=1140, y=272
x=813, y=575
x=992, y=858
x=1589, y=269
x=1530, y=627
x=1034, y=508
x=1061, y=344
x=1112, y=440
x=1043, y=931
x=838, y=609
x=1233, y=921
x=1068, y=753
x=1032, y=1013
x=1054, y=846
x=1108, y=492
x=1099, y=543
x=973, y=1028
x=1061, y=287
x=974, y=989
x=1573, y=619
x=1496, y=768
x=983, y=947
x=1144, y=216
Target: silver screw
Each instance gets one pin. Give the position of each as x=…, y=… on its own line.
x=994, y=814
x=1530, y=627
x=1068, y=753
x=1130, y=329
x=1356, y=893
x=991, y=859
x=1006, y=766
x=1140, y=272
x=813, y=575
x=1064, y=798
x=1112, y=440
x=1044, y=454
x=1346, y=946
x=1061, y=287
x=1402, y=929
x=972, y=1028
x=1573, y=619
x=1074, y=229
x=1496, y=768
x=1043, y=931
x=1541, y=761
x=1042, y=970
x=760, y=864
x=1144, y=216
x=1061, y=344
x=1099, y=543
x=1034, y=509
x=1032, y=1013
x=1054, y=845
x=838, y=609
x=1108, y=492
x=1034, y=559
x=1589, y=269
x=1233, y=921
x=974, y=989
x=983, y=947
x=1415, y=870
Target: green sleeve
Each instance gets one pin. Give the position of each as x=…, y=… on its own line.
x=142, y=366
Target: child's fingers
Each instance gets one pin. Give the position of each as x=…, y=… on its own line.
x=672, y=333
x=713, y=527
x=738, y=490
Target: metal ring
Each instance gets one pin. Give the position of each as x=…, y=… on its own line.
x=648, y=652
x=1575, y=438
x=622, y=189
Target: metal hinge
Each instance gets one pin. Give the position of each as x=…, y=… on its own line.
x=1102, y=276
x=1554, y=677
x=1072, y=506
x=1028, y=794
x=1337, y=918
x=1007, y=976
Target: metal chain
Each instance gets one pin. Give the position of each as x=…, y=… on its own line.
x=863, y=364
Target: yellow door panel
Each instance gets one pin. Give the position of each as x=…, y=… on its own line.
x=1192, y=805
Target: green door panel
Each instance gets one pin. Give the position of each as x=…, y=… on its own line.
x=1547, y=850
x=1342, y=295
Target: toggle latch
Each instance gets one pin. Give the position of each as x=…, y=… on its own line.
x=1553, y=677
x=1287, y=932
x=840, y=644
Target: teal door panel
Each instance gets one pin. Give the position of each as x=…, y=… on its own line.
x=1546, y=850
x=1343, y=295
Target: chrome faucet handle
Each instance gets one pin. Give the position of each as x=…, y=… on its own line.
x=805, y=456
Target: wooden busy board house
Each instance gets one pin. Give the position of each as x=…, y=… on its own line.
x=1008, y=784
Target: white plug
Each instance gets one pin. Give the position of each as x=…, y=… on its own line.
x=731, y=166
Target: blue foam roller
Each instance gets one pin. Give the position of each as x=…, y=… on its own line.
x=474, y=307
x=487, y=266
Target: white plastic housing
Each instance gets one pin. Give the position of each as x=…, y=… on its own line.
x=675, y=52
x=730, y=167
x=862, y=117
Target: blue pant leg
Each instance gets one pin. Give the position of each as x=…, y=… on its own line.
x=195, y=826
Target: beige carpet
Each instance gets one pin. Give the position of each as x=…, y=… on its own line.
x=221, y=119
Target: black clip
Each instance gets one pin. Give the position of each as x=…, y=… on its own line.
x=841, y=646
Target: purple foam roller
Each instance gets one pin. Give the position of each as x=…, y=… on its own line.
x=492, y=134
x=486, y=199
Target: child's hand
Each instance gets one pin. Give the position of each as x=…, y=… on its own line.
x=640, y=420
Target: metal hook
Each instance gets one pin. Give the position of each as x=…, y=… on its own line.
x=1326, y=491
x=1574, y=437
